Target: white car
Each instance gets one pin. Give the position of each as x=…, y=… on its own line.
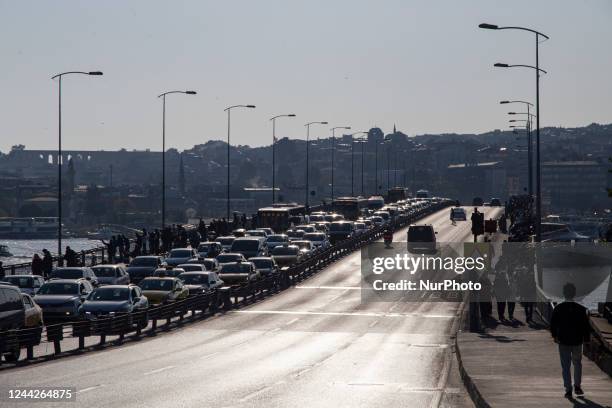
x=318, y=239
x=275, y=240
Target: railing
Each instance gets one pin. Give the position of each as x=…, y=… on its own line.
x=190, y=309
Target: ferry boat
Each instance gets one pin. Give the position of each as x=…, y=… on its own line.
x=28, y=228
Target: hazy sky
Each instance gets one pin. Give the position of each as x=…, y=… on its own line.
x=422, y=65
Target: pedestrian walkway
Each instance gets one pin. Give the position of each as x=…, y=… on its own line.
x=514, y=365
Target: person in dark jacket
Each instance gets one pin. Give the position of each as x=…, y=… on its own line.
x=570, y=327
x=37, y=265
x=47, y=263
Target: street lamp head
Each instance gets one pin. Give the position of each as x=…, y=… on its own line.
x=250, y=106
x=488, y=26
x=291, y=115
x=190, y=92
x=504, y=102
x=95, y=73
x=511, y=113
x=323, y=123
x=347, y=127
x=500, y=65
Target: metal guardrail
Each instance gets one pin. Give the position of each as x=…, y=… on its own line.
x=194, y=307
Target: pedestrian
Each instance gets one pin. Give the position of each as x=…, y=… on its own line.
x=70, y=257
x=1, y=271
x=503, y=295
x=37, y=265
x=47, y=263
x=570, y=327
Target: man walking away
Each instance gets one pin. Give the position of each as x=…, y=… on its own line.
x=569, y=327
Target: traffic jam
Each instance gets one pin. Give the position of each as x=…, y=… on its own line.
x=286, y=235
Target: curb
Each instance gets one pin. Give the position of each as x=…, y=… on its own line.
x=468, y=383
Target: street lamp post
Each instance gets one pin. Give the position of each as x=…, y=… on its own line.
x=537, y=72
x=59, y=153
x=273, y=119
x=228, y=110
x=529, y=143
x=333, y=142
x=308, y=158
x=163, y=96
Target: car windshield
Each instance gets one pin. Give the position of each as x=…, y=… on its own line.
x=144, y=262
x=194, y=279
x=314, y=237
x=205, y=247
x=419, y=234
x=110, y=294
x=180, y=253
x=19, y=281
x=228, y=258
x=67, y=273
x=343, y=226
x=277, y=238
x=245, y=245
x=191, y=267
x=235, y=268
x=458, y=211
x=314, y=218
x=105, y=272
x=262, y=263
x=58, y=288
x=168, y=272
x=156, y=284
x=289, y=250
x=225, y=241
x=294, y=234
x=256, y=233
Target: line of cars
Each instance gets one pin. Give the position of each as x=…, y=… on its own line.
x=104, y=290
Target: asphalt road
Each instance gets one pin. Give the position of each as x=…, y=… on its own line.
x=314, y=345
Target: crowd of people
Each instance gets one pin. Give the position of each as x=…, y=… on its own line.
x=119, y=248
x=513, y=281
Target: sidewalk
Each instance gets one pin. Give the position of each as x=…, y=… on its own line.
x=515, y=365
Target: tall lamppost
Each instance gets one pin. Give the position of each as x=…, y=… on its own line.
x=308, y=157
x=59, y=152
x=529, y=165
x=537, y=72
x=528, y=105
x=273, y=119
x=163, y=96
x=228, y=110
x=353, y=161
x=333, y=144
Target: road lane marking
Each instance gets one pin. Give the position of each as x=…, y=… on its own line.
x=361, y=314
x=254, y=394
x=290, y=322
x=330, y=287
x=90, y=388
x=159, y=370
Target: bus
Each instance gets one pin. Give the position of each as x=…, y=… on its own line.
x=280, y=217
x=350, y=207
x=422, y=194
x=397, y=193
x=376, y=203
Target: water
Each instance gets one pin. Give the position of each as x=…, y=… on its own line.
x=24, y=249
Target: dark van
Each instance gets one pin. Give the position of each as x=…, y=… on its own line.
x=421, y=239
